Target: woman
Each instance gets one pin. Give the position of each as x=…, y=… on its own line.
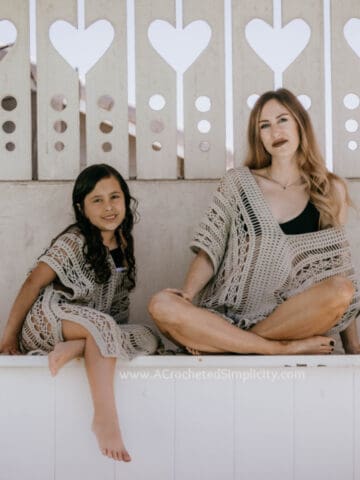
x=272, y=269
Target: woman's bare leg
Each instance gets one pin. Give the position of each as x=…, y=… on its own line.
x=100, y=372
x=63, y=353
x=201, y=330
x=312, y=312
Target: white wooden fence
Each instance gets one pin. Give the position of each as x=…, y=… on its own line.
x=197, y=67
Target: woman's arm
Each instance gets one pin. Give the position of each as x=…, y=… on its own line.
x=39, y=278
x=201, y=270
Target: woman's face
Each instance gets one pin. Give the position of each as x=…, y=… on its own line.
x=279, y=132
x=104, y=206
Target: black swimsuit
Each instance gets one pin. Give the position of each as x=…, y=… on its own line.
x=306, y=222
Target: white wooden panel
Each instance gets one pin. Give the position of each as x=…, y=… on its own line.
x=323, y=425
x=251, y=76
x=146, y=406
x=356, y=410
x=56, y=77
x=15, y=147
x=305, y=76
x=113, y=84
x=345, y=81
x=154, y=76
x=264, y=423
x=205, y=153
x=77, y=452
x=204, y=425
x=27, y=429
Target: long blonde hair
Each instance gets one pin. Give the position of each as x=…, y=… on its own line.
x=320, y=182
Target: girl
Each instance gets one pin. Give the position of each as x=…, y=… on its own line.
x=273, y=267
x=75, y=301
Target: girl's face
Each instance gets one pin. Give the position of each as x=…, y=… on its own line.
x=279, y=132
x=104, y=206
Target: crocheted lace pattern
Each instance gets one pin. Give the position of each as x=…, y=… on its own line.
x=100, y=308
x=256, y=265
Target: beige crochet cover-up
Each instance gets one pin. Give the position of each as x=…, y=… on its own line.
x=256, y=265
x=101, y=308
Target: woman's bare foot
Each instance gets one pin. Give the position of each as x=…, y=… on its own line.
x=63, y=353
x=109, y=437
x=309, y=346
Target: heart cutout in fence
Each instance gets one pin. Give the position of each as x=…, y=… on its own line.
x=352, y=34
x=179, y=47
x=81, y=48
x=278, y=47
x=8, y=36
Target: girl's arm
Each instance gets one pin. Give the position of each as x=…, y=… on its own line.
x=39, y=278
x=201, y=270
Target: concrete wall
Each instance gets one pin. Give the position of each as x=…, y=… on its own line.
x=32, y=213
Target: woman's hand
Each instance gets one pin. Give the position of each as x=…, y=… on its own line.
x=9, y=346
x=180, y=293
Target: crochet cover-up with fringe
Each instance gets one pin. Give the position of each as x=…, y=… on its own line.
x=101, y=308
x=256, y=265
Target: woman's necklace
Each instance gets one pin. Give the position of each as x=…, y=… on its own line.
x=284, y=187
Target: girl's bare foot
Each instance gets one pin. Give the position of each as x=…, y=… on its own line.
x=109, y=437
x=63, y=353
x=309, y=346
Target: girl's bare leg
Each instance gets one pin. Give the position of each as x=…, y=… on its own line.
x=63, y=353
x=100, y=372
x=201, y=330
x=312, y=312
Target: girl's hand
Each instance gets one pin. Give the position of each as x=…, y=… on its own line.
x=10, y=346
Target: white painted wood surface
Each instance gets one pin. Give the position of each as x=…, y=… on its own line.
x=15, y=147
x=182, y=417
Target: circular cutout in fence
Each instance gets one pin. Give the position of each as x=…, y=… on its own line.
x=156, y=146
x=351, y=101
x=59, y=146
x=156, y=126
x=204, y=146
x=10, y=146
x=351, y=125
x=204, y=126
x=58, y=102
x=106, y=126
x=252, y=100
x=107, y=147
x=157, y=102
x=203, y=103
x=106, y=102
x=9, y=127
x=60, y=126
x=9, y=103
x=352, y=145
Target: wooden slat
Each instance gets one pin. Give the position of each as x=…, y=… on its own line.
x=15, y=147
x=245, y=64
x=205, y=153
x=323, y=425
x=263, y=423
x=27, y=447
x=77, y=451
x=154, y=76
x=146, y=405
x=56, y=77
x=204, y=425
x=345, y=81
x=108, y=78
